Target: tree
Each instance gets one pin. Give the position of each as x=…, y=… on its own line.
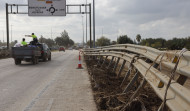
x=103, y=41
x=138, y=38
x=124, y=39
x=64, y=40
x=49, y=42
x=113, y=42
x=176, y=44
x=155, y=43
x=88, y=43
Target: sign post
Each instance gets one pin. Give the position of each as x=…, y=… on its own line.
x=47, y=7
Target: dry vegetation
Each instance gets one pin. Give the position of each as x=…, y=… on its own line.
x=108, y=93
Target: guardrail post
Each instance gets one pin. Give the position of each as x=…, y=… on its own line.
x=121, y=68
x=143, y=83
x=126, y=76
x=104, y=61
x=116, y=64
x=89, y=57
x=182, y=79
x=110, y=62
x=99, y=62
x=131, y=82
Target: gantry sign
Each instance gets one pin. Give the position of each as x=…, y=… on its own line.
x=48, y=8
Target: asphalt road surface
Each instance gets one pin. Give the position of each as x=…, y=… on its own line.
x=48, y=86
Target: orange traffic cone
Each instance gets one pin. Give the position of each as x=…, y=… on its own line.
x=79, y=63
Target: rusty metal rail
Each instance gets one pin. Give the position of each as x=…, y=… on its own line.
x=178, y=97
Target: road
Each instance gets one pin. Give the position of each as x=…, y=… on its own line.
x=48, y=86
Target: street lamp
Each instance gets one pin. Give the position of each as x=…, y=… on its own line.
x=3, y=35
x=86, y=23
x=11, y=33
x=51, y=33
x=94, y=23
x=83, y=30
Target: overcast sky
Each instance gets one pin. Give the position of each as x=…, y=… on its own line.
x=150, y=18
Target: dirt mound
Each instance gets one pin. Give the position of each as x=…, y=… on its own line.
x=108, y=93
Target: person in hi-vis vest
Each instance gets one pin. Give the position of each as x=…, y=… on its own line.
x=35, y=39
x=23, y=42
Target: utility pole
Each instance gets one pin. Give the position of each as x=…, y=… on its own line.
x=7, y=24
x=51, y=33
x=90, y=25
x=86, y=22
x=94, y=23
x=3, y=35
x=102, y=32
x=83, y=30
x=11, y=33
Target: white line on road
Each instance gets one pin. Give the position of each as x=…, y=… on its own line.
x=50, y=104
x=29, y=107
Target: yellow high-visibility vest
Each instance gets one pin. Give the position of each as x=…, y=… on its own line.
x=24, y=43
x=34, y=36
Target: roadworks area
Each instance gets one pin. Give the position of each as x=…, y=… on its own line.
x=108, y=94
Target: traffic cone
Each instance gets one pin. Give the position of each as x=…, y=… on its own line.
x=79, y=63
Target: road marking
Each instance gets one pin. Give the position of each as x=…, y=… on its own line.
x=50, y=104
x=29, y=107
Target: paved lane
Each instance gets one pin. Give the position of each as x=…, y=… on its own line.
x=22, y=86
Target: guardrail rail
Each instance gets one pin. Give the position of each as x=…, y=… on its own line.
x=149, y=63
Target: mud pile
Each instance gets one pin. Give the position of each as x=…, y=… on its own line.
x=108, y=93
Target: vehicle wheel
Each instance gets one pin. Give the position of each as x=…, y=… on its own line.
x=45, y=58
x=37, y=60
x=17, y=61
x=49, y=58
x=34, y=61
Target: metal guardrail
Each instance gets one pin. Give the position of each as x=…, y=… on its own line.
x=149, y=61
x=152, y=54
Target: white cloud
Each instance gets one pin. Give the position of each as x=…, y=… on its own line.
x=150, y=18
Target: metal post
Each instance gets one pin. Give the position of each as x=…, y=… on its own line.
x=90, y=26
x=3, y=36
x=100, y=59
x=126, y=76
x=104, y=61
x=110, y=62
x=11, y=33
x=182, y=79
x=131, y=82
x=116, y=64
x=94, y=24
x=86, y=21
x=7, y=25
x=143, y=83
x=51, y=33
x=121, y=68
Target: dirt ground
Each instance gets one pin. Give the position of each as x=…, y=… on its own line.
x=108, y=93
